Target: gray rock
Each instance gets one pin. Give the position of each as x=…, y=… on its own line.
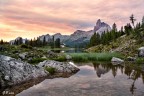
x=141, y=52
x=14, y=71
x=116, y=61
x=23, y=55
x=131, y=58
x=68, y=57
x=60, y=67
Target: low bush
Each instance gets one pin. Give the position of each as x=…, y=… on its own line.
x=26, y=46
x=36, y=61
x=140, y=60
x=51, y=70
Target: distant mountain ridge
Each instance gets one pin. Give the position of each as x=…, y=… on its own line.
x=79, y=37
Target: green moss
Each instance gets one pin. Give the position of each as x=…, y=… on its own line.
x=140, y=60
x=36, y=61
x=51, y=70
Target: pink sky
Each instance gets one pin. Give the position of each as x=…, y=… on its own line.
x=32, y=18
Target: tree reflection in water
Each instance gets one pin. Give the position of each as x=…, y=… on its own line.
x=132, y=72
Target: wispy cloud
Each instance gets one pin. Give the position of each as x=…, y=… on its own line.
x=31, y=18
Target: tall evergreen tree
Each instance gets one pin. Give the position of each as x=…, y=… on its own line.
x=53, y=42
x=114, y=27
x=132, y=19
x=1, y=42
x=57, y=43
x=44, y=41
x=20, y=41
x=128, y=29
x=93, y=40
x=143, y=22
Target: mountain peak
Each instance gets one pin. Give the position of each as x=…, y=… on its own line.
x=98, y=22
x=100, y=26
x=57, y=34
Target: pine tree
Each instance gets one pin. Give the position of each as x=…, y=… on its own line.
x=132, y=19
x=20, y=41
x=53, y=42
x=114, y=27
x=1, y=42
x=57, y=43
x=44, y=41
x=93, y=40
x=143, y=22
x=128, y=29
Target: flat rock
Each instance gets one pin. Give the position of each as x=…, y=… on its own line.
x=116, y=61
x=60, y=67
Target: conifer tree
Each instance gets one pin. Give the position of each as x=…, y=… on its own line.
x=143, y=22
x=57, y=43
x=132, y=19
x=1, y=42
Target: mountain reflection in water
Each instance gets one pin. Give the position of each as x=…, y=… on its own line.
x=133, y=74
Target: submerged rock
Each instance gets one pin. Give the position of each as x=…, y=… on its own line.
x=60, y=67
x=116, y=61
x=14, y=71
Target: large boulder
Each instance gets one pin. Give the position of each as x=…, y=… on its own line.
x=116, y=61
x=14, y=71
x=60, y=67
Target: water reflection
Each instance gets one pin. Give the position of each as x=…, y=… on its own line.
x=93, y=79
x=72, y=50
x=133, y=73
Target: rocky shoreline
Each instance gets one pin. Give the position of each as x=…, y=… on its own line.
x=13, y=71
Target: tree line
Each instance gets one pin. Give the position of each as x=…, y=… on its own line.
x=39, y=43
x=2, y=42
x=137, y=30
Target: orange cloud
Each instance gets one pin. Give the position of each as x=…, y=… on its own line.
x=31, y=18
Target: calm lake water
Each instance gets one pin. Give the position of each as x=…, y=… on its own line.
x=93, y=79
x=71, y=50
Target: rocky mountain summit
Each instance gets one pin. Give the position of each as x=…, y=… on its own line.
x=79, y=37
x=101, y=27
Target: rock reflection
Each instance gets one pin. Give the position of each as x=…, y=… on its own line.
x=25, y=85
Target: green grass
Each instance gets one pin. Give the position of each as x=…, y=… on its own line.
x=51, y=70
x=45, y=48
x=140, y=60
x=60, y=58
x=84, y=57
x=36, y=61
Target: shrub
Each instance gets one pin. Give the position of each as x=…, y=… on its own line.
x=26, y=46
x=36, y=60
x=51, y=70
x=140, y=60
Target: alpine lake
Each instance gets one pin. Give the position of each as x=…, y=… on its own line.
x=93, y=79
